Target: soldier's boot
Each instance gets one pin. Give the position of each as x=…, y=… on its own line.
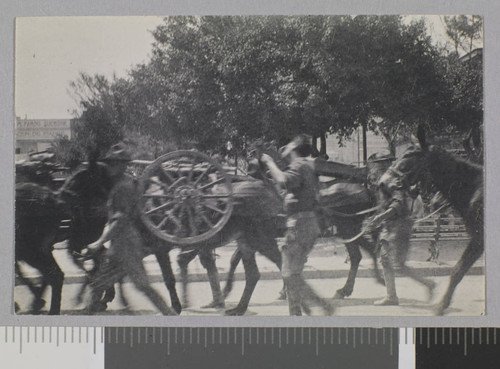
x=293, y=287
x=390, y=283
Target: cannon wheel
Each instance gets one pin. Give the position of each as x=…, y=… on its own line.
x=186, y=197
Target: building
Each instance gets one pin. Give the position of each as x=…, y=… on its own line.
x=351, y=152
x=474, y=57
x=34, y=135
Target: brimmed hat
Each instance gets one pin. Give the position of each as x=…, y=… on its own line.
x=118, y=152
x=298, y=141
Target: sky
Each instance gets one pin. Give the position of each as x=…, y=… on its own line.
x=52, y=51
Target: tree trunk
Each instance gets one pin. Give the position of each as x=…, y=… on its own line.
x=365, y=153
x=315, y=152
x=322, y=149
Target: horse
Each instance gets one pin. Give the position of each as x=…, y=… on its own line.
x=81, y=198
x=254, y=230
x=348, y=218
x=461, y=183
x=37, y=219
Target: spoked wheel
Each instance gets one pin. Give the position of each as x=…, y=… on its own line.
x=186, y=197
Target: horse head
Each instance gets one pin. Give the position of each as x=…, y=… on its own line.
x=411, y=169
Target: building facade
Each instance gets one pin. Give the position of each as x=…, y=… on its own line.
x=34, y=135
x=351, y=151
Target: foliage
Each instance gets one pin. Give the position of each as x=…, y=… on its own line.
x=214, y=80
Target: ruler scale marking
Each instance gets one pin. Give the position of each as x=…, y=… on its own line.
x=390, y=347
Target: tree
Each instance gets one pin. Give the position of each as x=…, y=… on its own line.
x=465, y=82
x=464, y=30
x=214, y=80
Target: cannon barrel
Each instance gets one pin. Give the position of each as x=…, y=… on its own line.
x=323, y=167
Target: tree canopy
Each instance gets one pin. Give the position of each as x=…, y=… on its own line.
x=214, y=80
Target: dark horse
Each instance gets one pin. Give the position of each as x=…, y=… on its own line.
x=461, y=184
x=37, y=218
x=82, y=198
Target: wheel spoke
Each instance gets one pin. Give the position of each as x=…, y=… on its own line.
x=202, y=175
x=217, y=181
x=214, y=208
x=158, y=182
x=190, y=174
x=192, y=225
x=162, y=196
x=158, y=208
x=204, y=217
x=216, y=196
x=179, y=180
x=167, y=174
x=175, y=220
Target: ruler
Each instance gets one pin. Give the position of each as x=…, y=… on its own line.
x=245, y=347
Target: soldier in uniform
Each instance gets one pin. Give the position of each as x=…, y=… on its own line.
x=395, y=223
x=127, y=247
x=301, y=202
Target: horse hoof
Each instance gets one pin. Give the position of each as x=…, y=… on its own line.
x=237, y=311
x=329, y=308
x=439, y=310
x=98, y=307
x=177, y=307
x=339, y=295
x=282, y=296
x=37, y=305
x=215, y=305
x=306, y=309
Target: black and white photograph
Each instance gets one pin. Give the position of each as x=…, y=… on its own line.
x=306, y=165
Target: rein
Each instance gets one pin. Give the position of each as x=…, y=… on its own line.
x=359, y=213
x=364, y=230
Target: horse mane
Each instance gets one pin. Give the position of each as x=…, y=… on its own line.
x=459, y=180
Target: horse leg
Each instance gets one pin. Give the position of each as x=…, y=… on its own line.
x=252, y=276
x=355, y=257
x=54, y=277
x=139, y=277
x=123, y=297
x=469, y=257
x=208, y=261
x=371, y=248
x=163, y=258
x=272, y=252
x=38, y=302
x=235, y=260
x=183, y=260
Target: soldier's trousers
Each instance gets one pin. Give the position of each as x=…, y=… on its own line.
x=124, y=258
x=302, y=232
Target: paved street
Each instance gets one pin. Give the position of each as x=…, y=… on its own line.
x=326, y=271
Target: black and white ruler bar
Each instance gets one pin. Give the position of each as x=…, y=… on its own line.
x=257, y=347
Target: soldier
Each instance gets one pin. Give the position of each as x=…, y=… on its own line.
x=396, y=226
x=127, y=247
x=301, y=202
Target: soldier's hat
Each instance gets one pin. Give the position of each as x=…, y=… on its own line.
x=299, y=141
x=118, y=152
